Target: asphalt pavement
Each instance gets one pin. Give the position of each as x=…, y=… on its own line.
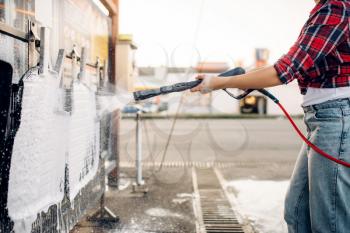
x=253, y=149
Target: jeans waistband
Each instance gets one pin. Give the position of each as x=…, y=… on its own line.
x=328, y=104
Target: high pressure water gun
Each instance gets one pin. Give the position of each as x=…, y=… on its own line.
x=142, y=95
x=179, y=87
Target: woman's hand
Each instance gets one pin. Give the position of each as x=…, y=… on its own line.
x=265, y=77
x=209, y=83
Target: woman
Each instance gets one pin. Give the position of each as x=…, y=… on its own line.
x=318, y=199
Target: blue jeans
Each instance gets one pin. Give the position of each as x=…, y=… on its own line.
x=318, y=199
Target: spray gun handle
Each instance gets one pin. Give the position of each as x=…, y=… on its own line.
x=238, y=71
x=234, y=72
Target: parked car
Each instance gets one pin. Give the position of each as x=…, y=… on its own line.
x=150, y=108
x=129, y=109
x=164, y=106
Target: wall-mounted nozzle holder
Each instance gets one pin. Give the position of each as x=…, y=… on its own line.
x=44, y=50
x=82, y=72
x=59, y=62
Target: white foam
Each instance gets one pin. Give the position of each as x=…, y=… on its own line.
x=37, y=165
x=261, y=202
x=160, y=212
x=83, y=145
x=49, y=138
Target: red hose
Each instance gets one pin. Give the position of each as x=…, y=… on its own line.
x=314, y=147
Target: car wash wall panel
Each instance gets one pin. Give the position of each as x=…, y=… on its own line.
x=53, y=132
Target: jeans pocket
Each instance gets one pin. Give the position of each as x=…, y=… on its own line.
x=328, y=114
x=346, y=111
x=345, y=140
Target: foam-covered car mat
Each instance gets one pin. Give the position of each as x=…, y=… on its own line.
x=10, y=112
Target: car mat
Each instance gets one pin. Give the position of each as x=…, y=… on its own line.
x=10, y=117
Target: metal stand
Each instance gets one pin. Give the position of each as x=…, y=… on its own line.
x=139, y=179
x=104, y=216
x=139, y=185
x=114, y=175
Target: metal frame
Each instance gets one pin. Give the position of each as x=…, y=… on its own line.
x=69, y=56
x=48, y=221
x=14, y=33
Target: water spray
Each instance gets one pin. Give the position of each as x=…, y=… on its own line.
x=179, y=87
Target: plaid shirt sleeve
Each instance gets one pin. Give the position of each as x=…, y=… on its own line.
x=322, y=33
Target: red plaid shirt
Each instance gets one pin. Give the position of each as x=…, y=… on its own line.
x=321, y=56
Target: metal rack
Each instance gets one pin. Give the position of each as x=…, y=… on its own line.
x=61, y=214
x=14, y=33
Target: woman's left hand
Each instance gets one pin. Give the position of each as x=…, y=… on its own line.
x=208, y=84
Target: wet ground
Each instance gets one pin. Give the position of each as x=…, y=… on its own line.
x=167, y=206
x=244, y=151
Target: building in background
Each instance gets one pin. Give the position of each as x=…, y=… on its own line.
x=126, y=66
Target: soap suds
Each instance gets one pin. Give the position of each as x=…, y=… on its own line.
x=48, y=139
x=38, y=161
x=84, y=140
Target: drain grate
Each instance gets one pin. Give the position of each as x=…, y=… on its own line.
x=200, y=165
x=217, y=213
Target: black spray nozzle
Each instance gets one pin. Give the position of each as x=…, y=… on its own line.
x=178, y=87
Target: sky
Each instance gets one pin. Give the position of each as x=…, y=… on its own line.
x=184, y=32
